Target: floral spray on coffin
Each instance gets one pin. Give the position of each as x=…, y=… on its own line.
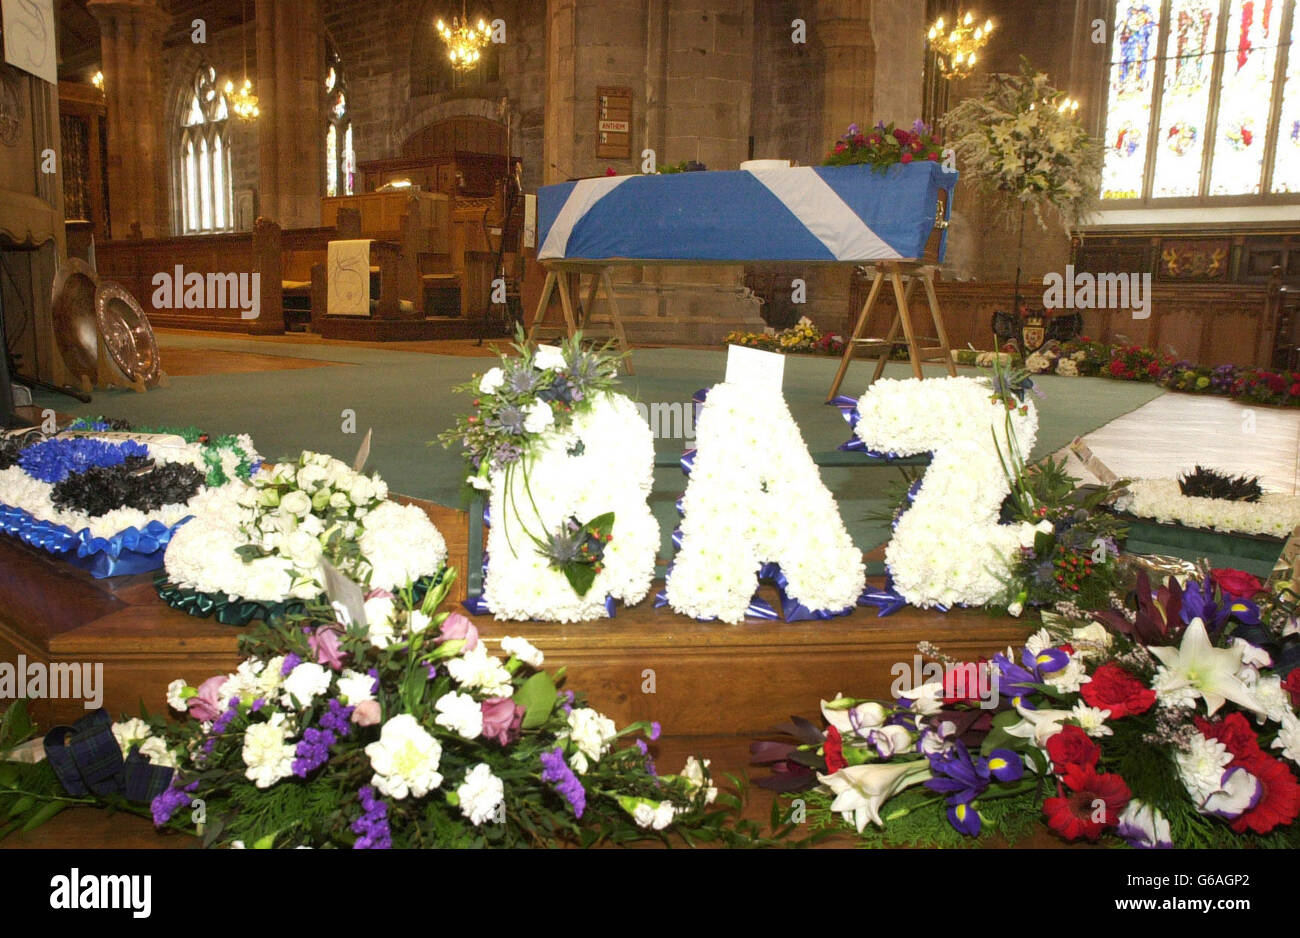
x=568, y=465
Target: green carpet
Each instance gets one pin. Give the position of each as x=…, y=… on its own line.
x=406, y=398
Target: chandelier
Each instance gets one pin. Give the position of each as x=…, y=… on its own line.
x=464, y=42
x=243, y=102
x=957, y=44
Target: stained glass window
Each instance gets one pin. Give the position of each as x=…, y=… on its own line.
x=340, y=163
x=1245, y=97
x=1132, y=80
x=203, y=157
x=1286, y=158
x=1193, y=107
x=1185, y=105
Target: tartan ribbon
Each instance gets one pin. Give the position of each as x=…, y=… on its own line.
x=87, y=760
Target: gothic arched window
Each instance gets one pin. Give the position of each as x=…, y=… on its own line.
x=203, y=156
x=340, y=156
x=1203, y=101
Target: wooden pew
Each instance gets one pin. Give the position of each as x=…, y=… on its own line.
x=137, y=264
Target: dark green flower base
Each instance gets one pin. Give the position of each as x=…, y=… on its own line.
x=229, y=611
x=1254, y=553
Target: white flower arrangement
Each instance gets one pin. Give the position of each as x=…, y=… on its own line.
x=1275, y=514
x=265, y=541
x=948, y=547
x=20, y=490
x=739, y=513
x=607, y=441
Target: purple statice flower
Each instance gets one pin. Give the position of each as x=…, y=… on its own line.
x=556, y=771
x=505, y=455
x=372, y=826
x=655, y=730
x=258, y=704
x=291, y=661
x=222, y=723
x=338, y=718
x=567, y=706
x=313, y=751
x=170, y=801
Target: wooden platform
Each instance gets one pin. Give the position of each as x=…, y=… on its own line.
x=712, y=686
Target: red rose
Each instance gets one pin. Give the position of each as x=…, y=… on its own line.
x=1114, y=689
x=1235, y=733
x=1236, y=583
x=1095, y=803
x=1071, y=747
x=934, y=158
x=834, y=751
x=1275, y=383
x=901, y=135
x=1292, y=686
x=962, y=682
x=1279, y=802
x=1117, y=367
x=840, y=147
x=906, y=158
x=1295, y=389
x=1153, y=369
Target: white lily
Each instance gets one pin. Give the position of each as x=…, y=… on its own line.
x=1039, y=725
x=860, y=790
x=1198, y=666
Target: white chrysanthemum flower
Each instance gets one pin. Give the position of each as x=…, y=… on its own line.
x=1092, y=720
x=405, y=759
x=524, y=650
x=481, y=794
x=477, y=670
x=591, y=732
x=1288, y=738
x=266, y=754
x=694, y=772
x=304, y=684
x=1201, y=767
x=155, y=750
x=355, y=687
x=130, y=732
x=460, y=713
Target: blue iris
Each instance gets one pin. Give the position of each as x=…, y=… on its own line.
x=54, y=460
x=962, y=779
x=1202, y=601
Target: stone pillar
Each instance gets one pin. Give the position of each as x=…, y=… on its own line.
x=848, y=91
x=558, y=147
x=289, y=84
x=131, y=36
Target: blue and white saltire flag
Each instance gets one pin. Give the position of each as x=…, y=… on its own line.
x=824, y=213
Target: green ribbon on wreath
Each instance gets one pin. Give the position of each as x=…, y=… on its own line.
x=240, y=612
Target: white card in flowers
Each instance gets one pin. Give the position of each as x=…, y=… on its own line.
x=755, y=497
